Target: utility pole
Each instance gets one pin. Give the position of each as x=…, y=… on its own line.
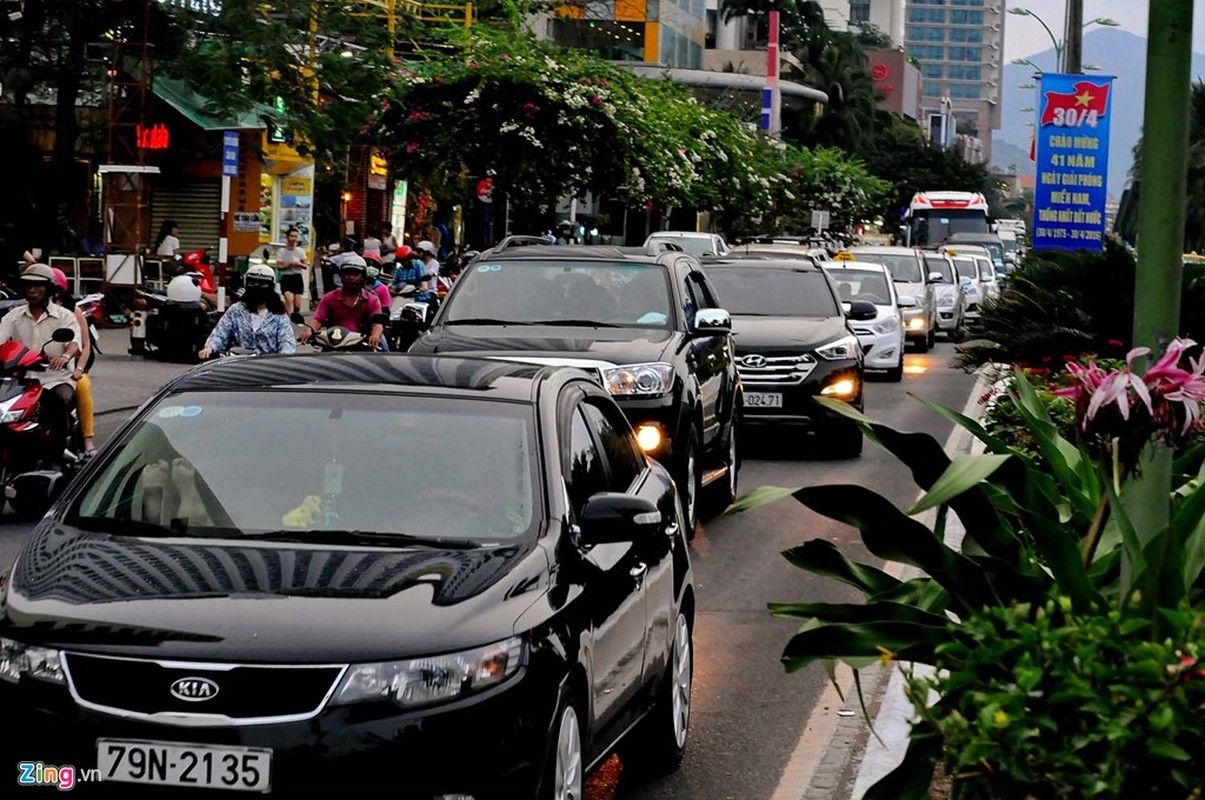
x=1161, y=214
x=1073, y=38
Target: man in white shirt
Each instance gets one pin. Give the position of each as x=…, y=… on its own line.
x=292, y=263
x=389, y=245
x=33, y=325
x=427, y=254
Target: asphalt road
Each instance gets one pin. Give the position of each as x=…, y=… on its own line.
x=748, y=713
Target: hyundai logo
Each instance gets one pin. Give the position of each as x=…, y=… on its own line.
x=193, y=689
x=755, y=361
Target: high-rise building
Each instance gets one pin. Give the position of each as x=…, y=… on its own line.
x=960, y=47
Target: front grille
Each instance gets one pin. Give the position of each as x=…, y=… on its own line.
x=244, y=692
x=776, y=370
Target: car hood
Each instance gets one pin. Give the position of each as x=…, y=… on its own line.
x=786, y=334
x=552, y=343
x=224, y=600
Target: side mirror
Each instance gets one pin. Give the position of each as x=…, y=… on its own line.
x=935, y=277
x=712, y=321
x=617, y=517
x=416, y=313
x=907, y=301
x=862, y=311
x=62, y=335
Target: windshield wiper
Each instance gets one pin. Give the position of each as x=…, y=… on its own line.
x=486, y=321
x=362, y=537
x=575, y=323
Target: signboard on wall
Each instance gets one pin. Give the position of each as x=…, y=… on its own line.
x=1072, y=162
x=296, y=201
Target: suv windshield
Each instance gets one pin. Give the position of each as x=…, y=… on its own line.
x=322, y=466
x=904, y=269
x=966, y=267
x=773, y=292
x=562, y=292
x=861, y=284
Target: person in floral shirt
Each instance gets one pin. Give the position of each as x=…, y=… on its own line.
x=257, y=321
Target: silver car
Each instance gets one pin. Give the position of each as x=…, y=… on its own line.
x=908, y=271
x=949, y=293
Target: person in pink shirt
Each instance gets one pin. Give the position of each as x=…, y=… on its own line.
x=351, y=306
x=373, y=280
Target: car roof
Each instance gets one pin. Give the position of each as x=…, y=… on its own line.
x=865, y=266
x=682, y=234
x=575, y=252
x=471, y=378
x=969, y=237
x=763, y=261
x=883, y=250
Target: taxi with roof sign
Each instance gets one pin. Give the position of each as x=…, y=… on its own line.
x=881, y=338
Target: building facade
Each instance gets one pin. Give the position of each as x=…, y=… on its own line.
x=886, y=15
x=960, y=47
x=669, y=32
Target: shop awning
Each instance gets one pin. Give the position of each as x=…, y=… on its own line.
x=200, y=110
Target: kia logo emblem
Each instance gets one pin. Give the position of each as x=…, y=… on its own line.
x=755, y=361
x=193, y=689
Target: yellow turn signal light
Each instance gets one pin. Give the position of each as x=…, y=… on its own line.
x=648, y=437
x=846, y=387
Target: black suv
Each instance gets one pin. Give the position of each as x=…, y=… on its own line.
x=646, y=323
x=793, y=344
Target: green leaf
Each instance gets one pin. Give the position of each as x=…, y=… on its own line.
x=823, y=558
x=1189, y=523
x=907, y=641
x=912, y=778
x=761, y=496
x=1169, y=750
x=1060, y=553
x=963, y=474
x=995, y=444
x=879, y=611
x=1062, y=456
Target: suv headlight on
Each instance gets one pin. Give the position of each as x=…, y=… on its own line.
x=646, y=380
x=845, y=347
x=41, y=663
x=885, y=326
x=433, y=679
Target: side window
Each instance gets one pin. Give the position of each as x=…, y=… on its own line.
x=585, y=473
x=700, y=292
x=618, y=446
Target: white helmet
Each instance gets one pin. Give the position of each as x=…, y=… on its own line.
x=183, y=289
x=260, y=275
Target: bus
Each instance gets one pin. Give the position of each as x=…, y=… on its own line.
x=932, y=217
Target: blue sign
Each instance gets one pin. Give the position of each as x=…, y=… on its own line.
x=767, y=108
x=230, y=154
x=1072, y=162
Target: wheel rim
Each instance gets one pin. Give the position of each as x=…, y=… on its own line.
x=691, y=487
x=568, y=758
x=682, y=676
x=732, y=463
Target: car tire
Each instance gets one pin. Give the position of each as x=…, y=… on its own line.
x=931, y=336
x=896, y=373
x=690, y=483
x=656, y=746
x=563, y=773
x=722, y=494
x=922, y=344
x=845, y=441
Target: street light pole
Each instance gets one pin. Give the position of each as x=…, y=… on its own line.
x=1073, y=37
x=1161, y=213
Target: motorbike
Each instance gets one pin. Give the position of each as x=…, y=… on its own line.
x=338, y=339
x=30, y=476
x=174, y=325
x=408, y=318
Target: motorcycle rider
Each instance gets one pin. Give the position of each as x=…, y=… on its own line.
x=410, y=271
x=87, y=356
x=351, y=306
x=257, y=321
x=33, y=325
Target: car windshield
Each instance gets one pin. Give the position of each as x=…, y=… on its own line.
x=861, y=284
x=1010, y=245
x=562, y=292
x=966, y=268
x=904, y=268
x=695, y=245
x=773, y=292
x=987, y=272
x=320, y=465
x=935, y=263
x=994, y=248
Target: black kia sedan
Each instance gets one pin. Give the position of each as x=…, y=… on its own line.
x=427, y=577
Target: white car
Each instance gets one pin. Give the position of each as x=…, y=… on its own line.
x=882, y=338
x=967, y=269
x=948, y=294
x=697, y=243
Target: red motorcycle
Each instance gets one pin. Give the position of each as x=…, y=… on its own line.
x=32, y=477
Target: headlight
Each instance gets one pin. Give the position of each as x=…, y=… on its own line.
x=845, y=347
x=12, y=415
x=639, y=379
x=885, y=326
x=845, y=387
x=41, y=663
x=436, y=679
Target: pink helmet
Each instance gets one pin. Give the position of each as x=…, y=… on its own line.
x=60, y=278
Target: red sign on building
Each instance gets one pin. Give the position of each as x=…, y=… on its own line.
x=155, y=137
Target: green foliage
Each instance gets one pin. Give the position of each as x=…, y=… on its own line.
x=1042, y=702
x=1004, y=420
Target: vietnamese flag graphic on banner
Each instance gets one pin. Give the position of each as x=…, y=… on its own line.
x=1062, y=108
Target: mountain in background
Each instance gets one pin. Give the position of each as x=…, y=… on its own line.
x=1009, y=156
x=1121, y=54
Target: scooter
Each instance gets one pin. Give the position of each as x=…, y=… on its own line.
x=174, y=325
x=341, y=340
x=31, y=477
x=408, y=318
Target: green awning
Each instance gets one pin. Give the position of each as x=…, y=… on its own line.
x=200, y=110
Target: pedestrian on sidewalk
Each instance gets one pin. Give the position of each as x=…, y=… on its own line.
x=389, y=244
x=167, y=243
x=292, y=263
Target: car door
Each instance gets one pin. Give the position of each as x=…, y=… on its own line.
x=707, y=358
x=613, y=602
x=628, y=471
